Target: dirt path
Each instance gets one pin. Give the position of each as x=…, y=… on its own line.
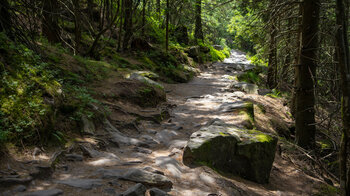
x=159, y=147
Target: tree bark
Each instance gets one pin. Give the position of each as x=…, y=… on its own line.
x=77, y=17
x=144, y=2
x=296, y=63
x=344, y=70
x=5, y=18
x=272, y=66
x=198, y=32
x=90, y=9
x=122, y=10
x=50, y=27
x=127, y=23
x=167, y=26
x=306, y=74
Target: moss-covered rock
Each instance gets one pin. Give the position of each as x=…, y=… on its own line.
x=146, y=80
x=247, y=153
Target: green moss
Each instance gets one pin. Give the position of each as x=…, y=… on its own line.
x=224, y=134
x=264, y=138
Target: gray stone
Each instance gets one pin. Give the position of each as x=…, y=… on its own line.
x=8, y=181
x=238, y=94
x=120, y=138
x=157, y=192
x=90, y=152
x=152, y=170
x=247, y=153
x=170, y=164
x=110, y=191
x=74, y=157
x=234, y=106
x=51, y=192
x=112, y=173
x=149, y=139
x=147, y=74
x=138, y=77
x=264, y=92
x=247, y=87
x=41, y=172
x=180, y=144
x=218, y=47
x=86, y=184
x=145, y=177
x=137, y=190
x=151, y=131
x=143, y=150
x=19, y=188
x=165, y=136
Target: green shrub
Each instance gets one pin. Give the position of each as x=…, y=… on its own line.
x=250, y=77
x=26, y=81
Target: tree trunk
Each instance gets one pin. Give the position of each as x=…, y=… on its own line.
x=306, y=74
x=344, y=70
x=90, y=9
x=127, y=23
x=296, y=63
x=144, y=2
x=50, y=28
x=77, y=15
x=167, y=26
x=121, y=25
x=272, y=67
x=198, y=32
x=5, y=19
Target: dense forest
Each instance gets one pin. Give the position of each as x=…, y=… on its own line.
x=174, y=97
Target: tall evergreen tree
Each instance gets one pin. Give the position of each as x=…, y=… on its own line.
x=306, y=74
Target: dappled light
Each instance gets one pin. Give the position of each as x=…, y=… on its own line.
x=174, y=98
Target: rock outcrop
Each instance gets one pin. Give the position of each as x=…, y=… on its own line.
x=247, y=153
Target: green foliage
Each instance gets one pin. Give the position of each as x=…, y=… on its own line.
x=326, y=189
x=81, y=100
x=247, y=36
x=25, y=83
x=275, y=94
x=257, y=60
x=166, y=65
x=250, y=77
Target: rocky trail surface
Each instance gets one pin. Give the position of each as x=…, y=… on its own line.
x=146, y=159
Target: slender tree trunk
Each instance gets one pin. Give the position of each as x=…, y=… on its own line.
x=127, y=23
x=90, y=9
x=287, y=61
x=272, y=67
x=77, y=15
x=121, y=25
x=296, y=63
x=144, y=2
x=344, y=70
x=306, y=74
x=167, y=26
x=5, y=19
x=50, y=28
x=198, y=32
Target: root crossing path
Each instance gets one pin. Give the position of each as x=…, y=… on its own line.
x=152, y=155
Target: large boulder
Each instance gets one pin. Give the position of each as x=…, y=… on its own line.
x=223, y=147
